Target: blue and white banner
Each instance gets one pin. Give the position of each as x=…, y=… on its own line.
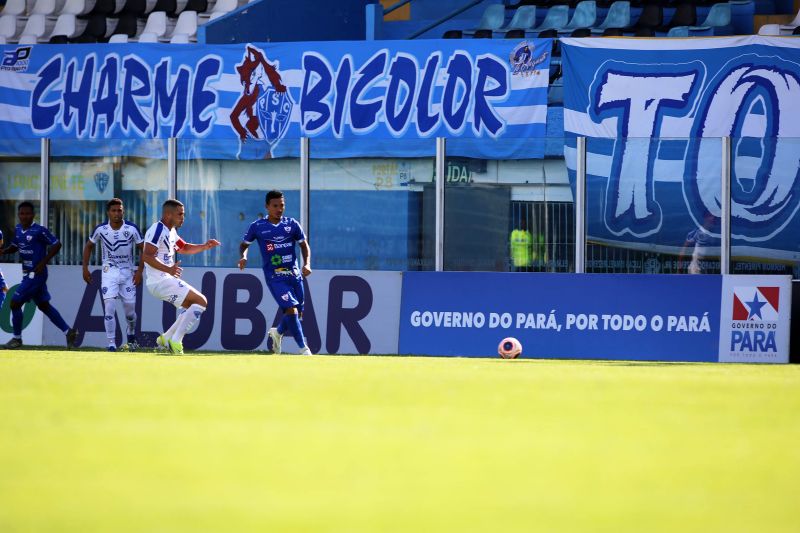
x=654, y=112
x=598, y=316
x=362, y=95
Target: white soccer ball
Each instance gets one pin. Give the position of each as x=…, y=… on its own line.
x=509, y=348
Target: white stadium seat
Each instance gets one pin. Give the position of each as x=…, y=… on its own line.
x=37, y=28
x=118, y=38
x=50, y=8
x=69, y=26
x=15, y=7
x=77, y=7
x=10, y=27
x=156, y=25
x=185, y=26
x=770, y=29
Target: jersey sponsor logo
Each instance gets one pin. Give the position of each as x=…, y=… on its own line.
x=16, y=60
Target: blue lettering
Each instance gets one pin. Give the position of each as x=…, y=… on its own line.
x=314, y=109
x=105, y=104
x=78, y=98
x=483, y=114
x=201, y=98
x=363, y=115
x=342, y=85
x=43, y=117
x=170, y=105
x=459, y=80
x=426, y=122
x=736, y=338
x=135, y=72
x=402, y=77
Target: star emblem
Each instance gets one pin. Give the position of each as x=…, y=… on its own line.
x=755, y=307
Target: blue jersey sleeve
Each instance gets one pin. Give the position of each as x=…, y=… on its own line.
x=298, y=233
x=250, y=234
x=48, y=237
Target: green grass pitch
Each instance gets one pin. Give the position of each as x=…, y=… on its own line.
x=91, y=441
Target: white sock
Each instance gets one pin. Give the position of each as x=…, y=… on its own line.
x=130, y=315
x=187, y=320
x=174, y=327
x=110, y=324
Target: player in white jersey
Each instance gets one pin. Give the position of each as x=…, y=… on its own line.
x=119, y=239
x=163, y=273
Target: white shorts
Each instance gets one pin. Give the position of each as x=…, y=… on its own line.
x=117, y=282
x=170, y=289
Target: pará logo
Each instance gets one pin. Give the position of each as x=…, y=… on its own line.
x=16, y=60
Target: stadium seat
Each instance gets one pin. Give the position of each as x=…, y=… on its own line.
x=104, y=7
x=155, y=28
x=37, y=29
x=555, y=19
x=770, y=29
x=718, y=20
x=10, y=27
x=552, y=34
x=198, y=6
x=48, y=8
x=581, y=32
x=68, y=25
x=15, y=7
x=585, y=16
x=685, y=15
x=793, y=24
x=77, y=7
x=612, y=32
x=482, y=34
x=796, y=31
x=493, y=17
x=524, y=19
x=95, y=30
x=3, y=40
x=618, y=16
x=644, y=31
x=127, y=25
x=652, y=16
x=167, y=6
x=678, y=31
x=58, y=39
x=515, y=34
x=453, y=34
x=185, y=29
x=118, y=38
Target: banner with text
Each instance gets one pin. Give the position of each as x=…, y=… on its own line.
x=253, y=96
x=655, y=112
x=345, y=311
x=598, y=316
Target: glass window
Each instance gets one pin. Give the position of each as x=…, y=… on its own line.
x=765, y=196
x=223, y=196
x=652, y=205
x=373, y=213
x=508, y=214
x=85, y=174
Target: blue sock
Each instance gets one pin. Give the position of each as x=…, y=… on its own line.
x=297, y=330
x=55, y=318
x=284, y=325
x=16, y=321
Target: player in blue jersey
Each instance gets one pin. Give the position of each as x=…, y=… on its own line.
x=119, y=238
x=36, y=247
x=3, y=286
x=276, y=236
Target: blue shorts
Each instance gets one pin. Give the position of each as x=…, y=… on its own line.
x=288, y=291
x=32, y=289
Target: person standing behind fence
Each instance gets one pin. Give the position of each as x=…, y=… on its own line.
x=521, y=244
x=36, y=246
x=3, y=286
x=120, y=239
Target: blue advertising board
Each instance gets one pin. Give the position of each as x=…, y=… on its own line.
x=257, y=95
x=580, y=316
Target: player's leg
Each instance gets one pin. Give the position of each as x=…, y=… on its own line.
x=3, y=289
x=181, y=295
x=42, y=300
x=289, y=295
x=128, y=297
x=18, y=300
x=109, y=283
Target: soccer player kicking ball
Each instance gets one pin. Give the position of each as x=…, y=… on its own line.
x=163, y=273
x=119, y=238
x=276, y=236
x=32, y=242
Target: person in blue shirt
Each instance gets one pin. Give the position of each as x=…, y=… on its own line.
x=3, y=286
x=276, y=236
x=36, y=247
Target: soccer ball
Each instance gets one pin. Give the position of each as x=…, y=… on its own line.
x=509, y=348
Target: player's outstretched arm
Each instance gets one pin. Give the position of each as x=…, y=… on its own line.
x=190, y=248
x=87, y=253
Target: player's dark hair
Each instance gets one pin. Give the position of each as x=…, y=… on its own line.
x=25, y=204
x=273, y=195
x=172, y=204
x=113, y=202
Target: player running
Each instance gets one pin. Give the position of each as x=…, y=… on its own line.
x=119, y=238
x=3, y=286
x=31, y=241
x=276, y=236
x=163, y=273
